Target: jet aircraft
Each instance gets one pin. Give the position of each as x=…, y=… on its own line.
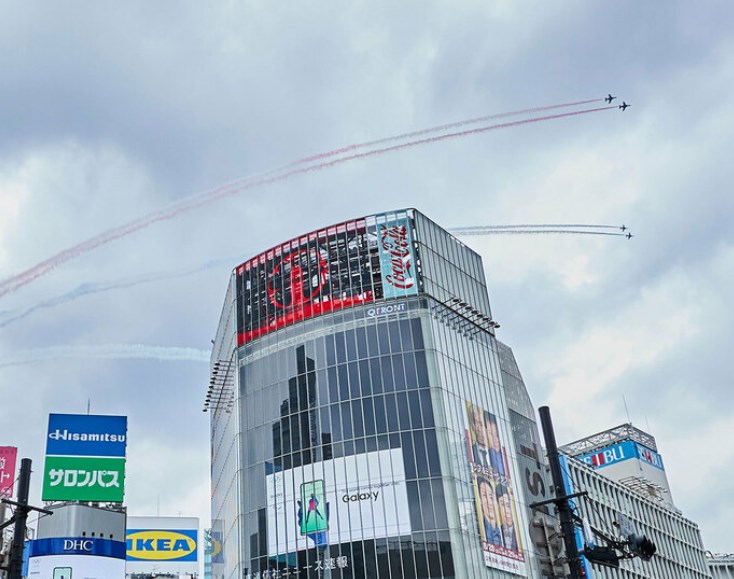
x=610, y=98
x=623, y=106
x=629, y=235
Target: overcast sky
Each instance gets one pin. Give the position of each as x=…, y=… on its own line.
x=111, y=111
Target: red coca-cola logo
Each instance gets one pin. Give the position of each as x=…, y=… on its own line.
x=297, y=279
x=396, y=245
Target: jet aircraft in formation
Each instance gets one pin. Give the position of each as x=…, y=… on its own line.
x=623, y=106
x=610, y=98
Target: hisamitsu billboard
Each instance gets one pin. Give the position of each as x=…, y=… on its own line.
x=86, y=435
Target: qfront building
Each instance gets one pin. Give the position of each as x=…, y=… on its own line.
x=359, y=424
x=366, y=423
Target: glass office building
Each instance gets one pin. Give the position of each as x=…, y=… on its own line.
x=359, y=423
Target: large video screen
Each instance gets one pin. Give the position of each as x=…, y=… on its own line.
x=75, y=566
x=349, y=264
x=494, y=493
x=346, y=499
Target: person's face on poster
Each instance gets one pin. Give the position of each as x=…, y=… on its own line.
x=478, y=424
x=493, y=432
x=505, y=508
x=486, y=498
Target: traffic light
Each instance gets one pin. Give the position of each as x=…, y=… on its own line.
x=641, y=546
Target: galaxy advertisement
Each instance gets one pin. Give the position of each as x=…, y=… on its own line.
x=494, y=493
x=349, y=264
x=341, y=500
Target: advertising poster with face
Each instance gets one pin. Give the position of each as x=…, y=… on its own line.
x=493, y=492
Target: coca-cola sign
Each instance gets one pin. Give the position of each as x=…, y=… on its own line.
x=397, y=259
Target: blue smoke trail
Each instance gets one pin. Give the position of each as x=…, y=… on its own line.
x=9, y=316
x=107, y=352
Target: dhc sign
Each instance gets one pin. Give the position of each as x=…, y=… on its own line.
x=161, y=545
x=620, y=452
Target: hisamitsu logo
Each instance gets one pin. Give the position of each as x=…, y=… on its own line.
x=161, y=545
x=86, y=435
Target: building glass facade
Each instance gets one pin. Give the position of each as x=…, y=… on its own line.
x=359, y=422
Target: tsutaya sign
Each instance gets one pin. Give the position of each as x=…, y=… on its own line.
x=623, y=451
x=85, y=458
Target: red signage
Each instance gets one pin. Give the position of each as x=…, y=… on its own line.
x=323, y=271
x=8, y=458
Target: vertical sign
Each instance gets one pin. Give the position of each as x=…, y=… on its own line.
x=494, y=493
x=8, y=459
x=397, y=258
x=570, y=489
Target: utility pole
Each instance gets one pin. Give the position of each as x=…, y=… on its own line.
x=22, y=508
x=561, y=501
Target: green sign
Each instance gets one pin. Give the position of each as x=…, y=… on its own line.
x=83, y=478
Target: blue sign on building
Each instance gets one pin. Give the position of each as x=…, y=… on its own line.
x=86, y=435
x=623, y=451
x=76, y=546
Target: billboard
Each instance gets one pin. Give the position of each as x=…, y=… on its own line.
x=341, y=500
x=85, y=458
x=73, y=557
x=162, y=545
x=620, y=452
x=397, y=259
x=86, y=435
x=8, y=460
x=348, y=264
x=84, y=478
x=578, y=533
x=494, y=493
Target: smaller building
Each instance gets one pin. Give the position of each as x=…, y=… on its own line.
x=610, y=506
x=627, y=455
x=78, y=540
x=721, y=565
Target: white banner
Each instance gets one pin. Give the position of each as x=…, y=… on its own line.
x=338, y=501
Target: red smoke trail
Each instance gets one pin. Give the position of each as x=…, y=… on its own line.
x=436, y=130
x=13, y=283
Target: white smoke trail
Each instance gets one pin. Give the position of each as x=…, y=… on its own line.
x=534, y=232
x=107, y=352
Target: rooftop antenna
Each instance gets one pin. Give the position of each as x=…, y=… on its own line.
x=629, y=420
x=89, y=405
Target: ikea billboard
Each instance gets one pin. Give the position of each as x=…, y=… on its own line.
x=162, y=545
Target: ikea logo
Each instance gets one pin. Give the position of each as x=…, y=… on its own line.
x=161, y=545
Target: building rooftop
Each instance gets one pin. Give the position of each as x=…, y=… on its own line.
x=608, y=438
